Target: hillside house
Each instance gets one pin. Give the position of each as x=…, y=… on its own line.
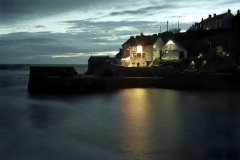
x=141, y=50
x=236, y=20
x=221, y=21
x=172, y=50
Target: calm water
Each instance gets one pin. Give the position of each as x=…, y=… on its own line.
x=124, y=124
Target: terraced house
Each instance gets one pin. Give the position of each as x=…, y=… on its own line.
x=221, y=21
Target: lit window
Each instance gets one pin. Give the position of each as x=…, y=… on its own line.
x=139, y=49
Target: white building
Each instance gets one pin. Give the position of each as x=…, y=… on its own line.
x=173, y=51
x=141, y=50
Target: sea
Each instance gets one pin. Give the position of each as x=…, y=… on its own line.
x=125, y=124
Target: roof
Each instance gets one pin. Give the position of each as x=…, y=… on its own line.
x=142, y=40
x=220, y=16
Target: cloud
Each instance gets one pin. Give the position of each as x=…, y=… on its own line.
x=18, y=10
x=68, y=55
x=44, y=47
x=82, y=39
x=103, y=28
x=39, y=26
x=144, y=10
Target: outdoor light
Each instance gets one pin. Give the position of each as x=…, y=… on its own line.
x=139, y=49
x=170, y=42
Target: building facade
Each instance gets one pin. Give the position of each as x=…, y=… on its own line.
x=172, y=50
x=221, y=21
x=141, y=50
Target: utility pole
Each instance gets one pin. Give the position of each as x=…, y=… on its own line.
x=167, y=26
x=178, y=26
x=160, y=29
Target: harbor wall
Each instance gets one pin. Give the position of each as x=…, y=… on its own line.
x=79, y=83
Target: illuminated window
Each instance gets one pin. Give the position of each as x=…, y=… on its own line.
x=134, y=48
x=139, y=49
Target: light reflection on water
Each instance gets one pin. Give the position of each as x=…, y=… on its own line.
x=135, y=121
x=125, y=124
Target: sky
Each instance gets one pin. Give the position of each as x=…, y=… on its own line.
x=70, y=31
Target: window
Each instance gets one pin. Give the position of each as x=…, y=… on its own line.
x=143, y=55
x=134, y=55
x=138, y=55
x=144, y=48
x=134, y=48
x=139, y=49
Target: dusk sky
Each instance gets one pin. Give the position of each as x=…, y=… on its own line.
x=68, y=32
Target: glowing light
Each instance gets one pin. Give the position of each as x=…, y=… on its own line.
x=170, y=42
x=200, y=55
x=204, y=62
x=139, y=49
x=126, y=59
x=192, y=64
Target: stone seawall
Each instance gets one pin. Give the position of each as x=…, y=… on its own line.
x=120, y=71
x=85, y=84
x=69, y=82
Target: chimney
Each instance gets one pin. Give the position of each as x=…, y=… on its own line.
x=214, y=14
x=202, y=19
x=229, y=11
x=209, y=16
x=238, y=12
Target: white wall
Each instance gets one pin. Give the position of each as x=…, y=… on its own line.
x=158, y=47
x=173, y=50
